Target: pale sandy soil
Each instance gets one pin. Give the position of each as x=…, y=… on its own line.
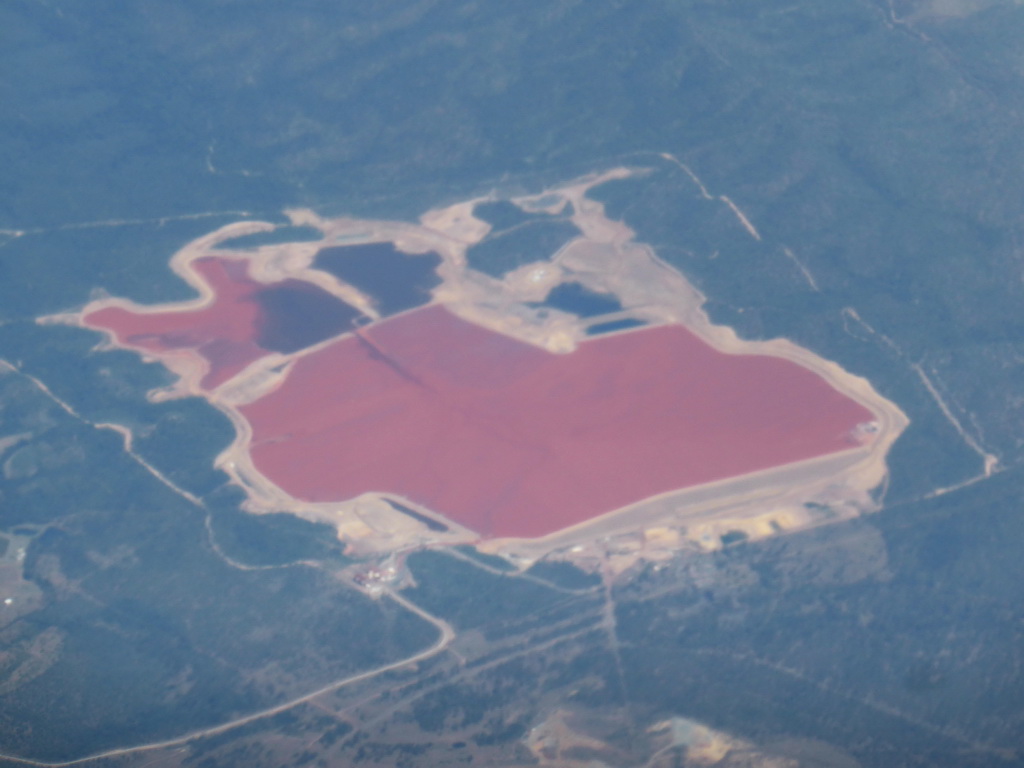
x=579, y=739
x=605, y=257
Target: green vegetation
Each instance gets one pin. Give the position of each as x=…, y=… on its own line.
x=471, y=598
x=564, y=574
x=270, y=539
x=502, y=215
x=491, y=561
x=146, y=632
x=875, y=634
x=283, y=234
x=111, y=387
x=55, y=270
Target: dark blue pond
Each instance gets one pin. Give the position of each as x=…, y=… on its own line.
x=580, y=300
x=297, y=315
x=537, y=240
x=614, y=325
x=396, y=281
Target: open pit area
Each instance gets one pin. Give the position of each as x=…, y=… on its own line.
x=467, y=407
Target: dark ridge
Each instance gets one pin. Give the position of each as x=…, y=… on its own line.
x=502, y=214
x=297, y=315
x=430, y=522
x=284, y=234
x=614, y=325
x=376, y=353
x=580, y=300
x=396, y=281
x=537, y=240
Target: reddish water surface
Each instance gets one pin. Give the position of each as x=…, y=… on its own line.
x=510, y=440
x=245, y=321
x=223, y=333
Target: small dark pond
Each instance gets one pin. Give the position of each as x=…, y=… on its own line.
x=536, y=241
x=614, y=325
x=580, y=300
x=397, y=281
x=297, y=314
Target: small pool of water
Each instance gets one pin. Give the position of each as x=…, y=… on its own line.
x=614, y=325
x=580, y=300
x=536, y=240
x=396, y=281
